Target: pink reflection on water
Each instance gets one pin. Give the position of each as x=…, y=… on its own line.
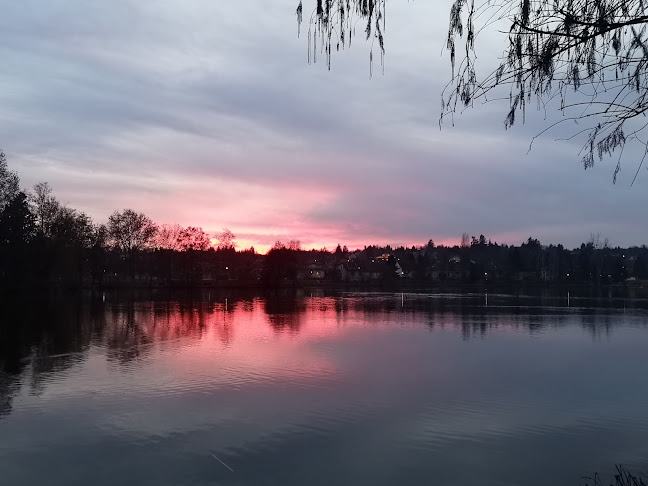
x=231, y=343
x=228, y=343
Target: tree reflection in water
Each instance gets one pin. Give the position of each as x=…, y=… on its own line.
x=44, y=334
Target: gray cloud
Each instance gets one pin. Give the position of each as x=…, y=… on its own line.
x=207, y=113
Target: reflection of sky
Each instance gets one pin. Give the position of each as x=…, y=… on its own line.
x=382, y=397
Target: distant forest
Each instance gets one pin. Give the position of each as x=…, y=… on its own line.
x=44, y=243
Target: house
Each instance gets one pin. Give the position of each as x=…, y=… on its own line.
x=312, y=271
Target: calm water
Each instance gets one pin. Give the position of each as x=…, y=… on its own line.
x=309, y=389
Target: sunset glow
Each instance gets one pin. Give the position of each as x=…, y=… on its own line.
x=214, y=118
x=307, y=243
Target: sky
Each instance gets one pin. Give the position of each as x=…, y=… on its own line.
x=208, y=113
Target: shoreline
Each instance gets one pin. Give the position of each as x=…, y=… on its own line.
x=639, y=288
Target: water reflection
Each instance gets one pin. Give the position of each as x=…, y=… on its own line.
x=41, y=338
x=285, y=310
x=46, y=334
x=311, y=387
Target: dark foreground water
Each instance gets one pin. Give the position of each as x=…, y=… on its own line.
x=300, y=390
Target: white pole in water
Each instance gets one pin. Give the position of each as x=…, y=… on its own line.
x=402, y=300
x=568, y=299
x=486, y=299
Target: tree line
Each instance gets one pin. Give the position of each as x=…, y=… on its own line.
x=46, y=243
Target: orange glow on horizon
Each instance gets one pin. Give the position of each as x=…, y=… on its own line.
x=264, y=248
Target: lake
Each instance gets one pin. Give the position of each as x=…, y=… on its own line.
x=321, y=388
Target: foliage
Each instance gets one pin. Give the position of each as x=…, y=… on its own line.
x=589, y=57
x=226, y=240
x=280, y=265
x=130, y=231
x=16, y=222
x=333, y=24
x=8, y=182
x=70, y=250
x=294, y=245
x=72, y=228
x=623, y=477
x=193, y=238
x=586, y=58
x=45, y=206
x=169, y=237
x=176, y=238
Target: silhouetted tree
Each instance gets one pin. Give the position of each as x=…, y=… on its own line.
x=294, y=245
x=192, y=238
x=280, y=265
x=226, y=240
x=16, y=222
x=641, y=267
x=71, y=235
x=71, y=228
x=9, y=182
x=130, y=231
x=45, y=208
x=597, y=49
x=98, y=257
x=169, y=237
x=192, y=241
x=16, y=231
x=332, y=24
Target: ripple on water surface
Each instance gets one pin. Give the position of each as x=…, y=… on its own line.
x=366, y=388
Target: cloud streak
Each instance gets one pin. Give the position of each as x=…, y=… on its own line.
x=207, y=113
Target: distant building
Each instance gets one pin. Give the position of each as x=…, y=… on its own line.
x=311, y=271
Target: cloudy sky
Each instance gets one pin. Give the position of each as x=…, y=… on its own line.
x=207, y=113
